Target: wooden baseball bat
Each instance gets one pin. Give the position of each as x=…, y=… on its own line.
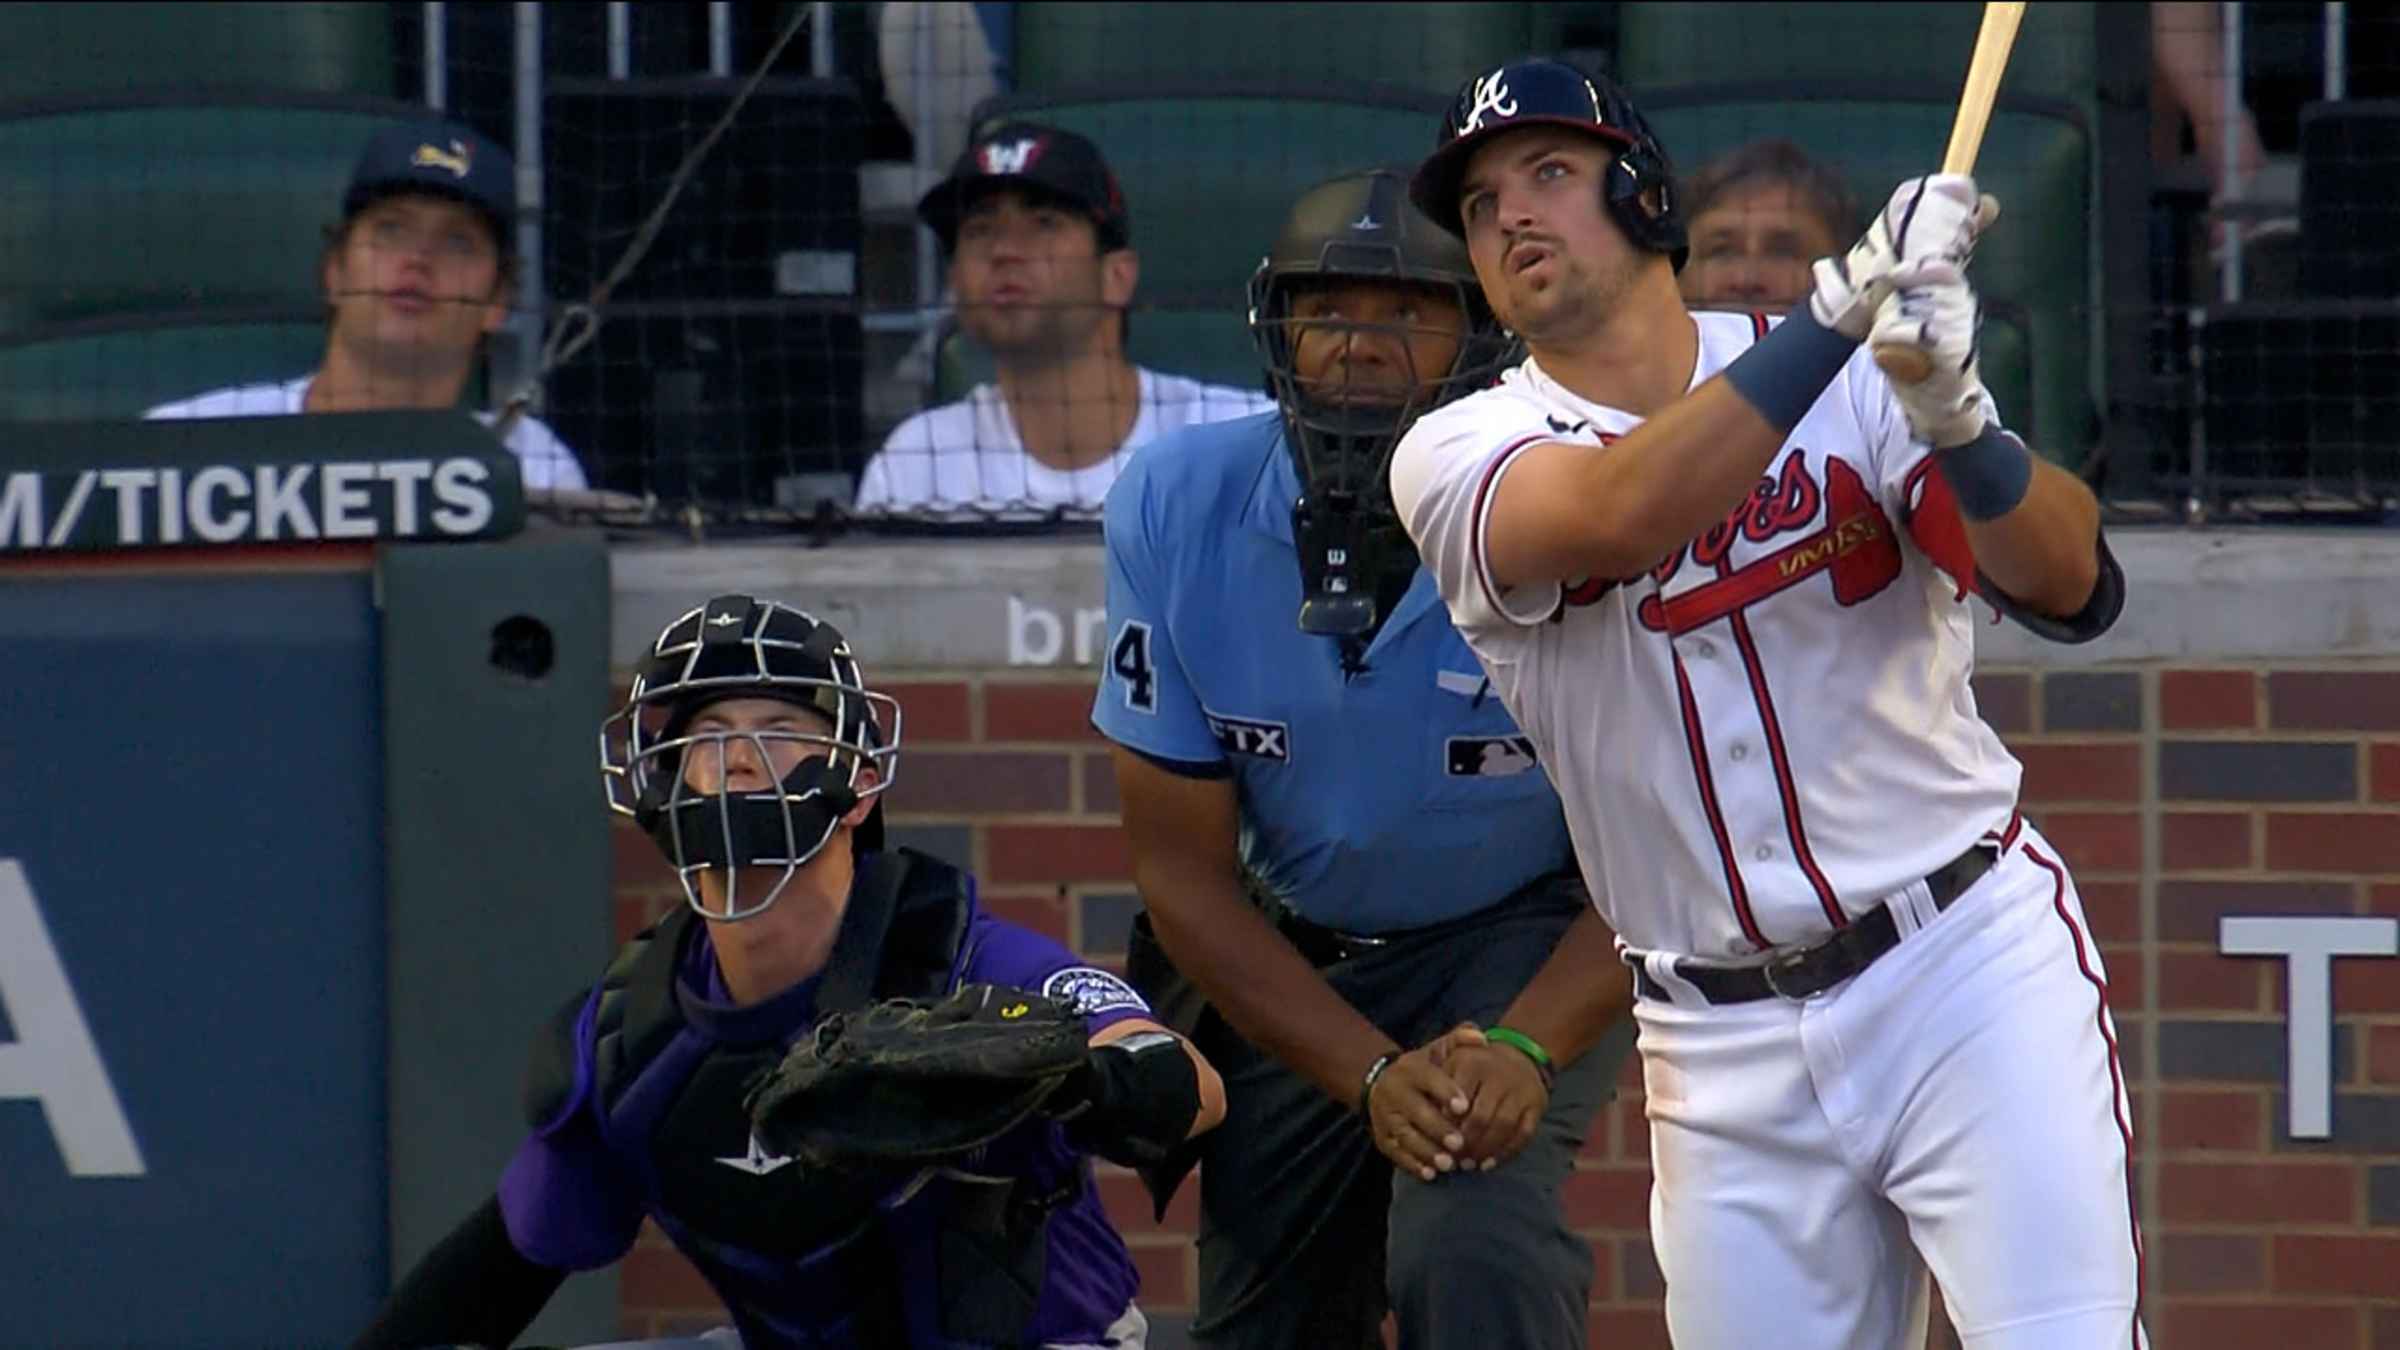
x=1905, y=364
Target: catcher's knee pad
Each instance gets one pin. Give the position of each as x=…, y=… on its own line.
x=1141, y=1094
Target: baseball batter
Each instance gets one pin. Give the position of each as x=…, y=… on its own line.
x=1717, y=568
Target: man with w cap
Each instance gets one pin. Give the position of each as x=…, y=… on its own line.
x=416, y=275
x=1042, y=264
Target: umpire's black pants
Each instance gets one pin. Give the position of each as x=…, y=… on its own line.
x=1308, y=1235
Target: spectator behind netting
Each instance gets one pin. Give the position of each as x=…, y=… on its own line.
x=1760, y=214
x=1043, y=268
x=417, y=274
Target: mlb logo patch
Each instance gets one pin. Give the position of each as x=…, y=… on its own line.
x=1489, y=756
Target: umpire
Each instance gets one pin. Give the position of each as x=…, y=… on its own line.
x=1343, y=844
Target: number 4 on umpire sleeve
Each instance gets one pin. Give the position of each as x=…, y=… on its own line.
x=1129, y=657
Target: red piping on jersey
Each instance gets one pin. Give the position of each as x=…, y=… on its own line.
x=1782, y=764
x=1698, y=747
x=1475, y=518
x=2006, y=836
x=1758, y=324
x=2118, y=1108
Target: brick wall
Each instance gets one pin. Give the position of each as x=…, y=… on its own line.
x=2176, y=794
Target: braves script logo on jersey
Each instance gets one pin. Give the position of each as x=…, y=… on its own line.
x=1855, y=543
x=1490, y=95
x=1010, y=157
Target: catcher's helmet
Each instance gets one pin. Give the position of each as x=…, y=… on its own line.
x=1360, y=226
x=1539, y=92
x=736, y=646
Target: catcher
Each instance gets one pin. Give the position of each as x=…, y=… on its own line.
x=927, y=1081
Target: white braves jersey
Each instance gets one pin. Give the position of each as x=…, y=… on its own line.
x=963, y=460
x=1769, y=732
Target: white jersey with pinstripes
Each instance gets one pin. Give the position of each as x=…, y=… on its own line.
x=1770, y=732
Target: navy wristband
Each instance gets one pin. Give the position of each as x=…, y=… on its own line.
x=1784, y=373
x=1990, y=474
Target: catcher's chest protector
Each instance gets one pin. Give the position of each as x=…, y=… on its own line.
x=772, y=1230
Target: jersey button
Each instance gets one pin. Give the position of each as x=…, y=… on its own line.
x=1705, y=649
x=1765, y=853
x=1739, y=752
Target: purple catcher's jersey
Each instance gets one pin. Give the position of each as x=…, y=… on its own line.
x=676, y=1147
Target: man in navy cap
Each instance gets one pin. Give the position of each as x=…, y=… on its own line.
x=417, y=273
x=1042, y=263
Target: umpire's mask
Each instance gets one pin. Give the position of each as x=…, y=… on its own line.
x=1342, y=425
x=755, y=839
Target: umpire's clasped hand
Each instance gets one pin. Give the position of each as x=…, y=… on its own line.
x=1413, y=1107
x=1457, y=1103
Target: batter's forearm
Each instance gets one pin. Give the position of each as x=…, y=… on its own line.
x=1260, y=984
x=1695, y=460
x=1577, y=994
x=2044, y=553
x=1679, y=473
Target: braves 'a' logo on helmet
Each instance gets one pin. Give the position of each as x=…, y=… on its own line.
x=1490, y=95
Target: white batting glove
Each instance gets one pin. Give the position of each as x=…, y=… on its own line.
x=1935, y=217
x=1933, y=309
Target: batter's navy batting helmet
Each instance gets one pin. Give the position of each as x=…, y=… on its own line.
x=739, y=647
x=1540, y=92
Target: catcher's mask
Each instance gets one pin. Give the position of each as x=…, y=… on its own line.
x=1639, y=188
x=739, y=647
x=1341, y=431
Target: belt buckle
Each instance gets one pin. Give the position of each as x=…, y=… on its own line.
x=1789, y=961
x=1353, y=943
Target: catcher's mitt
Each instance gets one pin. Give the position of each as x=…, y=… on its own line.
x=909, y=1082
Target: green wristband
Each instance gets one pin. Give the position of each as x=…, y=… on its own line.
x=1525, y=1045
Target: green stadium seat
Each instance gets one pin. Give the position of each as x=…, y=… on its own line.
x=1208, y=178
x=1429, y=47
x=122, y=369
x=100, y=50
x=131, y=209
x=2035, y=270
x=1712, y=42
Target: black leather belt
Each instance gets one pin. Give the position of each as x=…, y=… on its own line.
x=1813, y=970
x=1324, y=946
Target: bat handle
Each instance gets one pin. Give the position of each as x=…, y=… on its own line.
x=1901, y=363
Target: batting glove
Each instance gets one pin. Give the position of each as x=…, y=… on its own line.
x=1933, y=309
x=1928, y=219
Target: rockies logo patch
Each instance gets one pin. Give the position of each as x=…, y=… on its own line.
x=1489, y=756
x=1091, y=991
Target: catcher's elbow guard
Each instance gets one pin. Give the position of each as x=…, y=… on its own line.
x=1140, y=1097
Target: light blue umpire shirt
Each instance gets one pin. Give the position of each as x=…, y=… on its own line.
x=1394, y=798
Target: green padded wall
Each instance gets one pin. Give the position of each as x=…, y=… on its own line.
x=119, y=210
x=497, y=870
x=1424, y=46
x=123, y=371
x=86, y=50
x=1713, y=42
